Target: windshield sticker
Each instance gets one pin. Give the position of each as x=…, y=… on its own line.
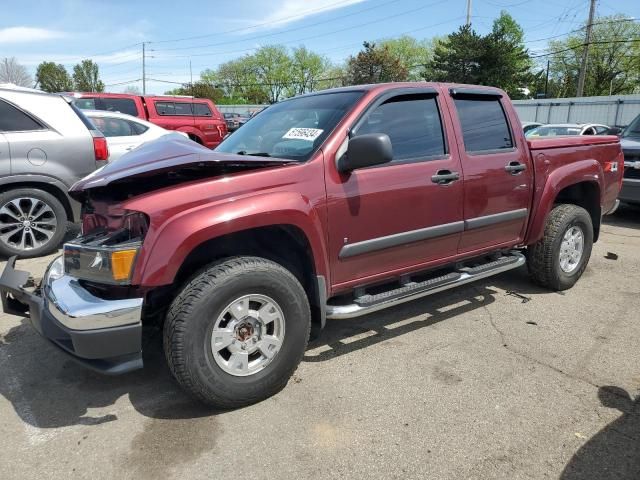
x=309, y=134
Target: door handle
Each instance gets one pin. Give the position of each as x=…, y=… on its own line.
x=445, y=177
x=514, y=168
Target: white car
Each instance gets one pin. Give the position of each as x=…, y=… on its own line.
x=557, y=129
x=125, y=132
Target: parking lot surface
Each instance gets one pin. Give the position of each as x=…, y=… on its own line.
x=476, y=382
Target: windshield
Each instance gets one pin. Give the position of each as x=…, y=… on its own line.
x=548, y=131
x=292, y=129
x=633, y=129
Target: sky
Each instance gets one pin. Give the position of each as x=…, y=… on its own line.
x=208, y=33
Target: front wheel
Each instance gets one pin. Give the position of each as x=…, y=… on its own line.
x=558, y=260
x=237, y=331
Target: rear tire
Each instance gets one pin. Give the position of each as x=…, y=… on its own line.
x=558, y=260
x=32, y=223
x=223, y=305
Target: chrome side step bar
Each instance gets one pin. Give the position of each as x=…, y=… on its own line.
x=372, y=303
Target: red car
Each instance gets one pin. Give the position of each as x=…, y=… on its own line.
x=329, y=205
x=197, y=117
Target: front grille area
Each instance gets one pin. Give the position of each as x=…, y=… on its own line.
x=631, y=172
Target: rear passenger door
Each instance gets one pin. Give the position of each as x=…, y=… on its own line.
x=496, y=168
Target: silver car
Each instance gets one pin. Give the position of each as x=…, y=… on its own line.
x=46, y=145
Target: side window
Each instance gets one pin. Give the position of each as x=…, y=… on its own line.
x=484, y=124
x=165, y=108
x=413, y=124
x=14, y=120
x=122, y=105
x=201, y=110
x=182, y=108
x=137, y=128
x=114, y=127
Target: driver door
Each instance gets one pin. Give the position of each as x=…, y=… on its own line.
x=392, y=218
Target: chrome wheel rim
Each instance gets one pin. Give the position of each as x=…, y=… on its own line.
x=247, y=335
x=27, y=223
x=571, y=249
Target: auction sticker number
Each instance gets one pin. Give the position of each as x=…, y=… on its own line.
x=309, y=134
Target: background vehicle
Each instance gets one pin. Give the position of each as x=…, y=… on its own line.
x=630, y=141
x=232, y=120
x=125, y=132
x=527, y=126
x=46, y=145
x=197, y=117
x=551, y=130
x=328, y=205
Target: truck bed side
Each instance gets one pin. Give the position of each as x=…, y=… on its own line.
x=585, y=169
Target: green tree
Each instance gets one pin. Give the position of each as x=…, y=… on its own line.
x=413, y=54
x=132, y=90
x=200, y=89
x=375, y=64
x=498, y=59
x=52, y=78
x=613, y=63
x=272, y=66
x=86, y=77
x=307, y=68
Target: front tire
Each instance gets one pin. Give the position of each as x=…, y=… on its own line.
x=558, y=260
x=237, y=332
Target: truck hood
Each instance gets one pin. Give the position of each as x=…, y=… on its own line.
x=630, y=144
x=169, y=157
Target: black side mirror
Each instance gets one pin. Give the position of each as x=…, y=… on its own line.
x=614, y=131
x=366, y=150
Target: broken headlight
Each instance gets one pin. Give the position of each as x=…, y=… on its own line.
x=105, y=256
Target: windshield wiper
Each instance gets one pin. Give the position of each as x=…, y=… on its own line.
x=256, y=154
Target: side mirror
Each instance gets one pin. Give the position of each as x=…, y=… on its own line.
x=614, y=131
x=366, y=151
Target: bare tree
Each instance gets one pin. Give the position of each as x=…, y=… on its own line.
x=12, y=72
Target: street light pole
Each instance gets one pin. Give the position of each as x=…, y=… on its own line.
x=144, y=75
x=468, y=12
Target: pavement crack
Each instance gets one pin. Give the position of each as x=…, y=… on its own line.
x=505, y=344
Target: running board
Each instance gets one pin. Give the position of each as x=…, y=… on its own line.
x=368, y=303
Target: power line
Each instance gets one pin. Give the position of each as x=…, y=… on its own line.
x=280, y=20
x=266, y=35
x=204, y=54
x=605, y=42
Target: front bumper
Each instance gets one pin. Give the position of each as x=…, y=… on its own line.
x=104, y=335
x=630, y=191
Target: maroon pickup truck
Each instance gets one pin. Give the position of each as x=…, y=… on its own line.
x=328, y=205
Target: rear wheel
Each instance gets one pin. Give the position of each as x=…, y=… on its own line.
x=237, y=331
x=32, y=223
x=558, y=260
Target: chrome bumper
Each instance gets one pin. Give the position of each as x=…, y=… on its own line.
x=104, y=335
x=76, y=308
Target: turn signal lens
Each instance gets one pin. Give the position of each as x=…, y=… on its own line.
x=121, y=263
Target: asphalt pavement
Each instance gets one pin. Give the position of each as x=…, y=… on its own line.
x=495, y=380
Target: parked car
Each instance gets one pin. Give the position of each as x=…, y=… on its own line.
x=125, y=132
x=630, y=141
x=562, y=129
x=46, y=145
x=232, y=120
x=527, y=126
x=399, y=191
x=197, y=117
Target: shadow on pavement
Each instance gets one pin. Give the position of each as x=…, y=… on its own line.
x=614, y=452
x=626, y=216
x=49, y=390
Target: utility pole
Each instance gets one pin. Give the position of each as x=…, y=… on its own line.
x=144, y=66
x=191, y=75
x=546, y=81
x=585, y=51
x=468, y=12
